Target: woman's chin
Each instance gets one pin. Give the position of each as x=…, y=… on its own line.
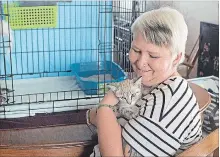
x=147, y=81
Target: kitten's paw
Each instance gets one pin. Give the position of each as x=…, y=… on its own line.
x=135, y=114
x=130, y=114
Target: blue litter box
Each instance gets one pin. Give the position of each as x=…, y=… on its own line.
x=93, y=76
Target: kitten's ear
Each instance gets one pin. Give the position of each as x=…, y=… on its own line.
x=112, y=87
x=138, y=82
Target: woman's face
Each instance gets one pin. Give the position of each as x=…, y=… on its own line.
x=153, y=63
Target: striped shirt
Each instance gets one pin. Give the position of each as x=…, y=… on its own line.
x=169, y=121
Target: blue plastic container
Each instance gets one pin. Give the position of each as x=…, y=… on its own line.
x=88, y=69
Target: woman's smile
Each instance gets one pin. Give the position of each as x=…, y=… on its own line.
x=141, y=71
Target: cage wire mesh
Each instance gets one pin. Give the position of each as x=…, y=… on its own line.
x=36, y=75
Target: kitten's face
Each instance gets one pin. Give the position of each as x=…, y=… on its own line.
x=129, y=92
x=130, y=97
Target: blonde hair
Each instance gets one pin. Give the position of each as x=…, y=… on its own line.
x=163, y=27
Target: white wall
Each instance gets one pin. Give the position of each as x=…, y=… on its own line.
x=195, y=12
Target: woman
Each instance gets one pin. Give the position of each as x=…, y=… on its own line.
x=169, y=122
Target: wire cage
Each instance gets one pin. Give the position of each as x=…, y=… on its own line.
x=35, y=71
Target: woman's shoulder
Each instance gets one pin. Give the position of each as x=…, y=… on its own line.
x=175, y=83
x=168, y=88
x=172, y=105
x=170, y=98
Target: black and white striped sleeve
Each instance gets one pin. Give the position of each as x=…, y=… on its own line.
x=169, y=118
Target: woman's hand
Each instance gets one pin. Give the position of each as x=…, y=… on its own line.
x=110, y=99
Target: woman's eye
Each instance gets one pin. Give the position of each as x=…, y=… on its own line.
x=137, y=51
x=153, y=56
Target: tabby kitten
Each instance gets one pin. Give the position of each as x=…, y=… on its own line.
x=128, y=92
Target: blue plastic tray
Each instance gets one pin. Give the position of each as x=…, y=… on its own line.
x=88, y=69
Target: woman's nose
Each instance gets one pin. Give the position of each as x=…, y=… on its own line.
x=142, y=61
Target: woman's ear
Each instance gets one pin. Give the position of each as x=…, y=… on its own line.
x=177, y=59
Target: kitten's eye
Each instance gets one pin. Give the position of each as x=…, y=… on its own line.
x=123, y=98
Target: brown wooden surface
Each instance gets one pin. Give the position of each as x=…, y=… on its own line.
x=202, y=96
x=216, y=153
x=72, y=140
x=47, y=135
x=205, y=147
x=44, y=120
x=73, y=151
